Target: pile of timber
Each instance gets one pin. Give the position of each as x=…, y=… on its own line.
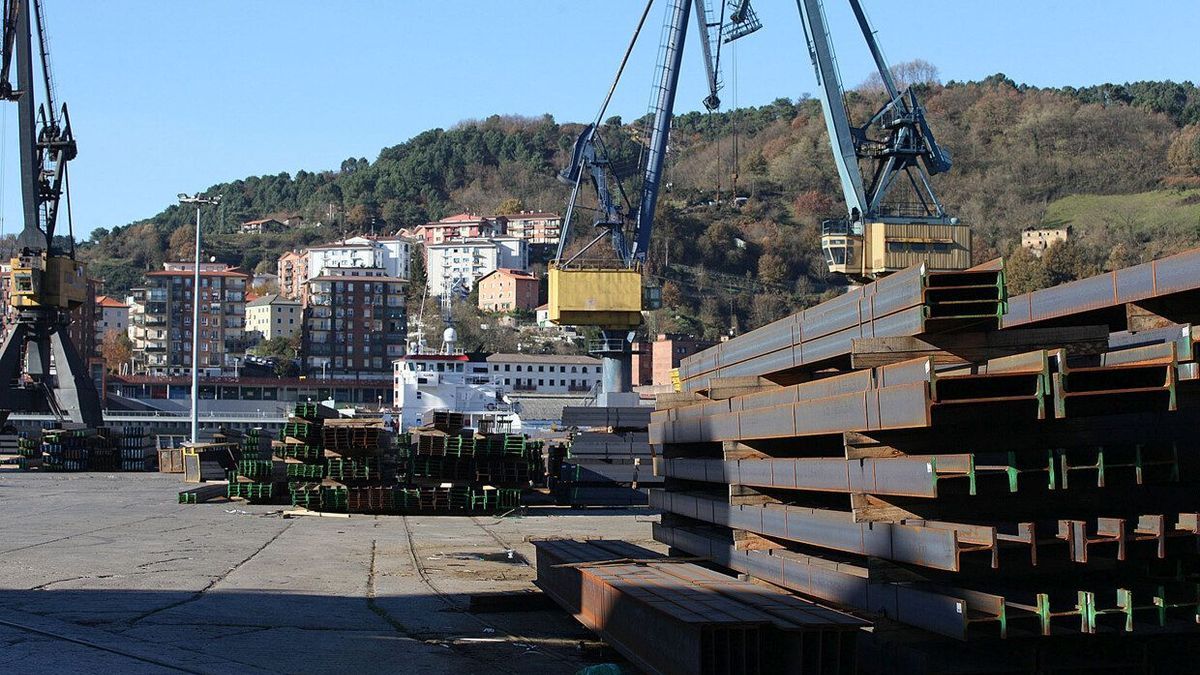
x=608, y=457
x=1017, y=476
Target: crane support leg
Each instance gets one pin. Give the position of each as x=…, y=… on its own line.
x=615, y=351
x=27, y=349
x=76, y=393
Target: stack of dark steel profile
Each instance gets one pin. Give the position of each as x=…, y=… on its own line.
x=999, y=484
x=608, y=458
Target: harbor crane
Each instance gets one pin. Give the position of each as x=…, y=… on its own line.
x=882, y=232
x=45, y=280
x=608, y=291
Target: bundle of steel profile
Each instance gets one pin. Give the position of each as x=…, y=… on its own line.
x=676, y=617
x=977, y=490
x=615, y=418
x=915, y=301
x=608, y=465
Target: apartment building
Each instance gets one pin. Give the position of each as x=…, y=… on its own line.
x=162, y=327
x=506, y=290
x=355, y=323
x=668, y=350
x=535, y=227
x=461, y=226
x=392, y=254
x=459, y=264
x=293, y=272
x=274, y=316
x=545, y=373
x=111, y=314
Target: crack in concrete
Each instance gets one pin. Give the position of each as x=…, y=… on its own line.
x=159, y=562
x=79, y=534
x=215, y=580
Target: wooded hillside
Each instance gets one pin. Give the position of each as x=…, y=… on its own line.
x=1017, y=152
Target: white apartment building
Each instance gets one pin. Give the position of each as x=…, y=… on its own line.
x=111, y=314
x=391, y=254
x=545, y=373
x=466, y=261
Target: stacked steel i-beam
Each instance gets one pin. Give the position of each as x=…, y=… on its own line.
x=448, y=468
x=1016, y=472
x=608, y=459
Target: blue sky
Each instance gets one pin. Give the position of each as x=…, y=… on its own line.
x=168, y=96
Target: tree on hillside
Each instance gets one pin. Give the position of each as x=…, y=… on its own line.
x=182, y=243
x=1183, y=156
x=116, y=349
x=1023, y=272
x=510, y=205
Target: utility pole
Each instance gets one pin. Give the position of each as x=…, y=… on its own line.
x=198, y=201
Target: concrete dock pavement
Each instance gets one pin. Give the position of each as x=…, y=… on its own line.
x=106, y=572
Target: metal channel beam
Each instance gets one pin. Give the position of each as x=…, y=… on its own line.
x=936, y=546
x=898, y=477
x=898, y=305
x=847, y=585
x=1169, y=276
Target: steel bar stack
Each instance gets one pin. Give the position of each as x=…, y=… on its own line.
x=608, y=458
x=447, y=468
x=677, y=618
x=1001, y=485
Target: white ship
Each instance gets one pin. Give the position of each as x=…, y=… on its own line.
x=447, y=379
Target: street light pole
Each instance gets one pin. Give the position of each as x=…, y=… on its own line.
x=198, y=201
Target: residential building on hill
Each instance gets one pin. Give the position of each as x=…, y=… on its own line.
x=293, y=272
x=457, y=227
x=545, y=373
x=391, y=254
x=111, y=314
x=162, y=331
x=535, y=227
x=261, y=225
x=505, y=290
x=459, y=264
x=274, y=316
x=355, y=323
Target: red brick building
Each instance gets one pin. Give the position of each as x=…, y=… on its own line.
x=355, y=323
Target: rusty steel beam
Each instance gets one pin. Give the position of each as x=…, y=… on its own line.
x=677, y=618
x=911, y=302
x=1105, y=296
x=951, y=613
x=915, y=476
x=929, y=544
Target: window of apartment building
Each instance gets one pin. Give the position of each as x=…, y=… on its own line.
x=506, y=368
x=573, y=370
x=506, y=381
x=562, y=369
x=541, y=383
